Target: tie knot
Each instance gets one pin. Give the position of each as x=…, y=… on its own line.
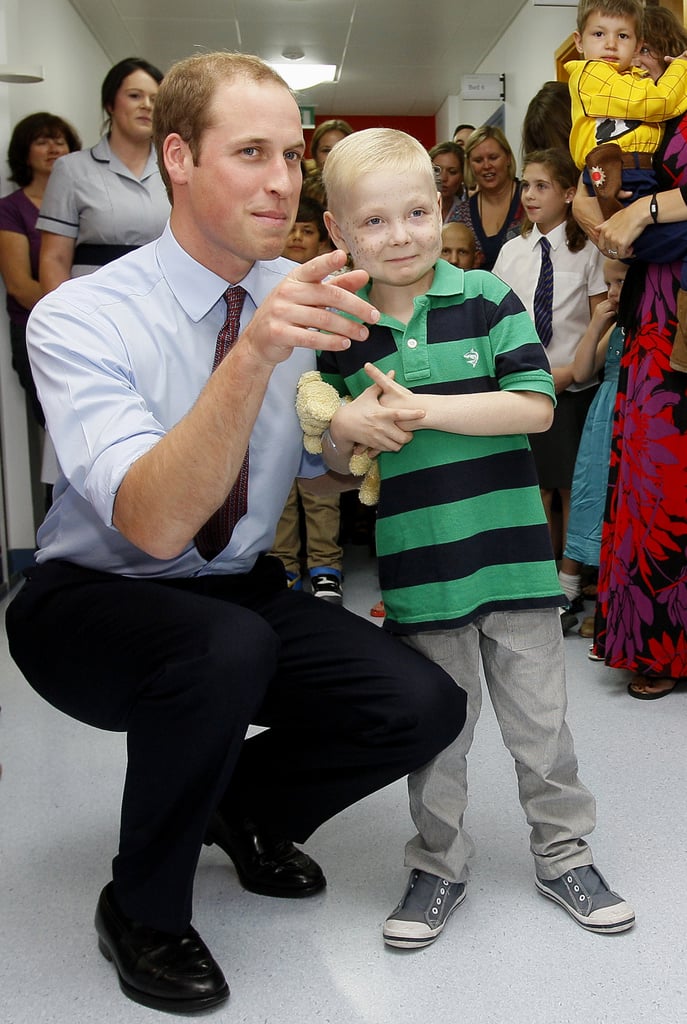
x=234, y=297
x=545, y=245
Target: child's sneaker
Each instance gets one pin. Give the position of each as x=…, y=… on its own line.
x=585, y=894
x=294, y=581
x=427, y=904
x=326, y=584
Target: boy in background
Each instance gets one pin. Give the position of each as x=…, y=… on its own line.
x=321, y=513
x=458, y=245
x=447, y=387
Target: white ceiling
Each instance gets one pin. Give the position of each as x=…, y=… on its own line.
x=395, y=57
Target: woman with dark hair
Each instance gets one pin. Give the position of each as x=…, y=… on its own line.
x=548, y=119
x=641, y=622
x=448, y=158
x=36, y=143
x=110, y=199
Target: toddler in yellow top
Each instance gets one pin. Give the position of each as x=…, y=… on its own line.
x=617, y=110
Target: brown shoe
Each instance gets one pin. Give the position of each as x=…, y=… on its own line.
x=605, y=167
x=587, y=627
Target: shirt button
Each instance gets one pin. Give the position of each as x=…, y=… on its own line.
x=412, y=342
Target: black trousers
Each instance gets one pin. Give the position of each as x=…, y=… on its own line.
x=184, y=667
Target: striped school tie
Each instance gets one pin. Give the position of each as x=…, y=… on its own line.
x=543, y=295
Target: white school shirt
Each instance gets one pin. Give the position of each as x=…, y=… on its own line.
x=576, y=277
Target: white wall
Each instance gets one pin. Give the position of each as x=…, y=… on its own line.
x=524, y=53
x=48, y=33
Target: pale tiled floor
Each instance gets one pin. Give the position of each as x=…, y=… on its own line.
x=508, y=956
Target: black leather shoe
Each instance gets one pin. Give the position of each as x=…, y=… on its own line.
x=175, y=973
x=270, y=867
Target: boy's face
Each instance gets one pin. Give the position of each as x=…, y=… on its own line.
x=458, y=246
x=390, y=223
x=304, y=242
x=610, y=37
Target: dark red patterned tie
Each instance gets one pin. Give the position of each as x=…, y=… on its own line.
x=216, y=534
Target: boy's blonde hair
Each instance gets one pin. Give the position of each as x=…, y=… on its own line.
x=613, y=8
x=369, y=150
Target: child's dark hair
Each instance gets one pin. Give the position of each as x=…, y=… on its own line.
x=26, y=131
x=560, y=166
x=310, y=210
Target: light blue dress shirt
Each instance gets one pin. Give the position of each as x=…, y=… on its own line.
x=119, y=357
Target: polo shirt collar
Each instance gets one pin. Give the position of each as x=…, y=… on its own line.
x=447, y=280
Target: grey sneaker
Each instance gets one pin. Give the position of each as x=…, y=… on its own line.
x=585, y=894
x=427, y=904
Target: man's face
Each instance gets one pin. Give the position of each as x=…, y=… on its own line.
x=608, y=37
x=238, y=203
x=461, y=137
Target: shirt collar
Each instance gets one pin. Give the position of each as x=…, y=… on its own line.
x=198, y=289
x=102, y=154
x=447, y=280
x=556, y=237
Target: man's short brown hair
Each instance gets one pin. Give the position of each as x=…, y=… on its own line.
x=184, y=100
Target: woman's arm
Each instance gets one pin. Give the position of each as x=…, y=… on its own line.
x=56, y=259
x=15, y=267
x=620, y=231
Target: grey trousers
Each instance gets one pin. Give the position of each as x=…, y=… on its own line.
x=523, y=659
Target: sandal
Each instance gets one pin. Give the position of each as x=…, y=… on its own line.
x=649, y=694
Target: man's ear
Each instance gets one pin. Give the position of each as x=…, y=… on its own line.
x=334, y=231
x=177, y=156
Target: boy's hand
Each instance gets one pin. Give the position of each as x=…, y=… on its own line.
x=373, y=426
x=395, y=396
x=604, y=313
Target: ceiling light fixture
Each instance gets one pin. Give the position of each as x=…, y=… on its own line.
x=302, y=76
x=21, y=73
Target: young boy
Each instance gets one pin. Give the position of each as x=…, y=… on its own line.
x=616, y=115
x=458, y=245
x=617, y=110
x=459, y=377
x=322, y=513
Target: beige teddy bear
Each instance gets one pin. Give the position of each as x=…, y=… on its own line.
x=316, y=403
